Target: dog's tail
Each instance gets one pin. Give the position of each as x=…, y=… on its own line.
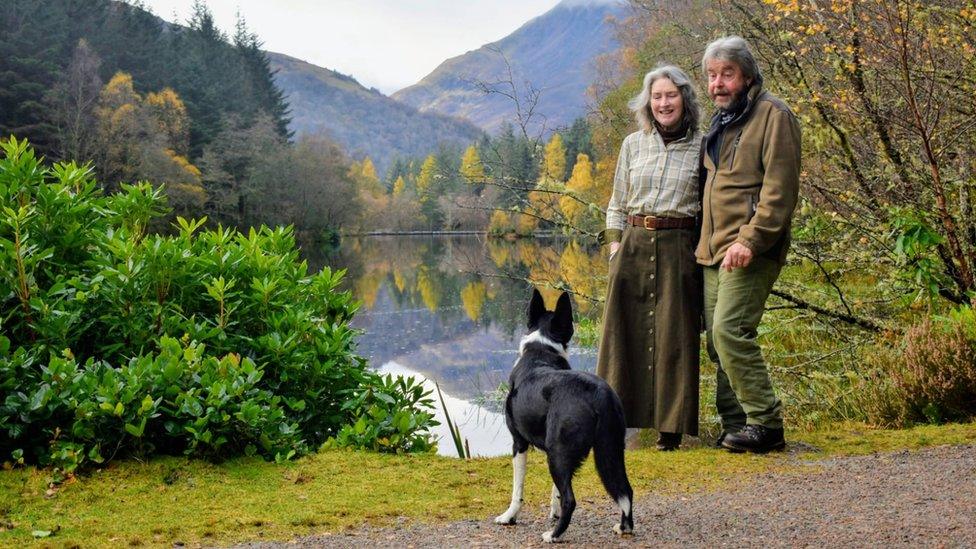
x=608, y=454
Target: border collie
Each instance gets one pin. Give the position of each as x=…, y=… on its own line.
x=564, y=414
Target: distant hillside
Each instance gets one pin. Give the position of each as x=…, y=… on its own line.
x=364, y=121
x=553, y=52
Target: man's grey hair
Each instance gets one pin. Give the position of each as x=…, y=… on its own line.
x=641, y=104
x=736, y=50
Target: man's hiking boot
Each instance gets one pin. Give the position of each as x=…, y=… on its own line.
x=721, y=437
x=725, y=432
x=668, y=442
x=756, y=439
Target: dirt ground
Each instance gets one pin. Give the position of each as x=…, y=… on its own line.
x=925, y=498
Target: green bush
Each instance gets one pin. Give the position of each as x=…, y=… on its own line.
x=390, y=416
x=205, y=342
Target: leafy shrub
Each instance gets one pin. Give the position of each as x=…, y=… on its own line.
x=66, y=413
x=203, y=342
x=389, y=416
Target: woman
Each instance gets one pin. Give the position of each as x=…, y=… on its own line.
x=649, y=350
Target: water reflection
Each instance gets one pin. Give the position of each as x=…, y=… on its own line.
x=453, y=310
x=484, y=429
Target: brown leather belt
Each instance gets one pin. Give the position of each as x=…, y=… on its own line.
x=652, y=223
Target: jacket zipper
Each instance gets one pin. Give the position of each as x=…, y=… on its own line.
x=735, y=147
x=711, y=220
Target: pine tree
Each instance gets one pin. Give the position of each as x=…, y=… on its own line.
x=578, y=139
x=29, y=65
x=514, y=163
x=428, y=192
x=397, y=170
x=268, y=95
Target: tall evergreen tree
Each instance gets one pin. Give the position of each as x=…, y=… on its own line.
x=578, y=140
x=269, y=96
x=29, y=66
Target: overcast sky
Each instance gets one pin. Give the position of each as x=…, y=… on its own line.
x=387, y=44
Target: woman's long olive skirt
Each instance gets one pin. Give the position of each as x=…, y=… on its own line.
x=651, y=326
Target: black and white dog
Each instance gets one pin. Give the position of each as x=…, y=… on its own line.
x=563, y=413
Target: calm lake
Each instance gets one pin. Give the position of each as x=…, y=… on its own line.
x=451, y=309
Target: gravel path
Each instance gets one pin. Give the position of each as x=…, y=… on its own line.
x=924, y=498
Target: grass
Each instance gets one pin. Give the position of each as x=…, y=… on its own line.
x=169, y=500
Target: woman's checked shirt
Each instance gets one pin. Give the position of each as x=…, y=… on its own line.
x=654, y=179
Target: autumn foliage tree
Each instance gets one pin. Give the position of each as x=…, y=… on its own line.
x=886, y=94
x=140, y=139
x=427, y=192
x=583, y=190
x=472, y=170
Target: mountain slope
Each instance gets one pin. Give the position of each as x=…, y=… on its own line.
x=363, y=121
x=552, y=54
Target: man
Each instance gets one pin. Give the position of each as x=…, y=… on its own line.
x=751, y=159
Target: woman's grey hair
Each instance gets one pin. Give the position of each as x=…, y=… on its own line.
x=641, y=105
x=736, y=50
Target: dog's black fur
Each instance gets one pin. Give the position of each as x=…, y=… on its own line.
x=565, y=413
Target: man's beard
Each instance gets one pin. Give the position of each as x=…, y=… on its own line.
x=737, y=102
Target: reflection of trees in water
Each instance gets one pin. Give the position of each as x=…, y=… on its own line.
x=485, y=281
x=473, y=298
x=453, y=308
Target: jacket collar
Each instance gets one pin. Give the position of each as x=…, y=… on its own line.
x=688, y=135
x=713, y=139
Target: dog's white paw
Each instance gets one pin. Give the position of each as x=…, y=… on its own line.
x=548, y=538
x=620, y=531
x=505, y=518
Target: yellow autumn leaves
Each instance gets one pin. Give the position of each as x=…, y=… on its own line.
x=571, y=205
x=147, y=138
x=466, y=278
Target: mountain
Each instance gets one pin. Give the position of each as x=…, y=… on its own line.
x=552, y=53
x=363, y=121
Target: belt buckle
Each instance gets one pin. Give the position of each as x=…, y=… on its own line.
x=649, y=222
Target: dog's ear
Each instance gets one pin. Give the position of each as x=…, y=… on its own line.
x=562, y=320
x=537, y=308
